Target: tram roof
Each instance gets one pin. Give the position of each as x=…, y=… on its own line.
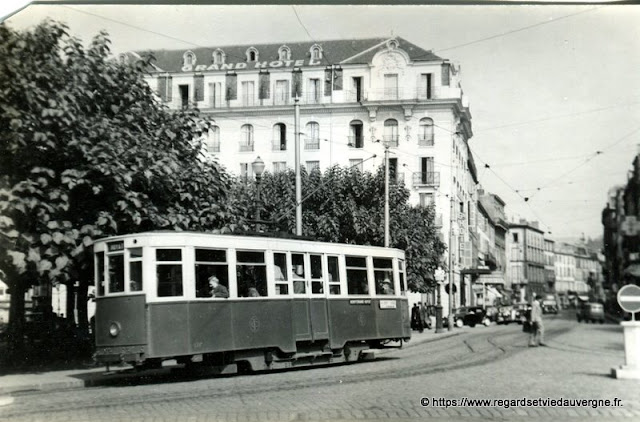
x=263, y=238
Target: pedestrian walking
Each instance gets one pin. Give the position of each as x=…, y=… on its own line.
x=416, y=320
x=536, y=333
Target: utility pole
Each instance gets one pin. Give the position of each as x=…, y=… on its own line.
x=386, y=194
x=296, y=126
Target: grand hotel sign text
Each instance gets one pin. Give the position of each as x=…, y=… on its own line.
x=257, y=65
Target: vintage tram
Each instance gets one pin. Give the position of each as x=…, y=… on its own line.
x=288, y=302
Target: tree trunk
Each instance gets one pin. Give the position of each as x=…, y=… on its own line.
x=71, y=305
x=16, y=317
x=83, y=320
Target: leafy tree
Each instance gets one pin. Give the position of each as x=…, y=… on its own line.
x=347, y=205
x=87, y=150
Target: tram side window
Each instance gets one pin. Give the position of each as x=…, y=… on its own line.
x=169, y=272
x=251, y=274
x=116, y=273
x=210, y=263
x=383, y=274
x=403, y=286
x=334, y=275
x=280, y=273
x=299, y=283
x=357, y=283
x=135, y=269
x=100, y=272
x=316, y=274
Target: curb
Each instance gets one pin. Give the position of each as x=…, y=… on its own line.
x=436, y=337
x=42, y=386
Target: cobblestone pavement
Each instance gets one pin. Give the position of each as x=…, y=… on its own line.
x=483, y=363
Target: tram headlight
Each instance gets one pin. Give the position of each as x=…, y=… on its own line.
x=114, y=329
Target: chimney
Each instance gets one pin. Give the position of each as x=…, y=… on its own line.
x=535, y=224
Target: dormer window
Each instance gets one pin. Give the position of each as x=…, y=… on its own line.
x=392, y=44
x=218, y=56
x=123, y=59
x=252, y=54
x=316, y=52
x=189, y=59
x=284, y=53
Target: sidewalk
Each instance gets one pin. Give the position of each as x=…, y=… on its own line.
x=80, y=378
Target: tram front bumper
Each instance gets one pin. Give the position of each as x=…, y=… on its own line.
x=119, y=354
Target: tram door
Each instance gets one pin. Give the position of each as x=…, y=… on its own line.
x=310, y=304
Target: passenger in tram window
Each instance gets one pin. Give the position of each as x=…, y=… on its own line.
x=253, y=292
x=299, y=285
x=134, y=286
x=217, y=289
x=387, y=289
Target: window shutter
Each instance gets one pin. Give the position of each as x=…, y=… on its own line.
x=162, y=87
x=231, y=87
x=198, y=83
x=337, y=80
x=297, y=84
x=445, y=74
x=327, y=81
x=169, y=88
x=264, y=84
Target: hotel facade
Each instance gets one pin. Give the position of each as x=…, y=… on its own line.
x=356, y=97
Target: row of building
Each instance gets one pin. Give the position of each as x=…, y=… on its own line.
x=621, y=222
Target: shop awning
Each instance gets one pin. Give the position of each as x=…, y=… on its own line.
x=497, y=279
x=633, y=270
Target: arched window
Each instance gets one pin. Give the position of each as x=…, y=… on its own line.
x=218, y=56
x=246, y=144
x=312, y=140
x=284, y=53
x=425, y=133
x=189, y=59
x=279, y=137
x=252, y=54
x=391, y=132
x=356, y=134
x=316, y=52
x=123, y=58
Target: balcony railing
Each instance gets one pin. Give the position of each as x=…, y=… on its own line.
x=425, y=141
x=279, y=145
x=213, y=147
x=311, y=143
x=438, y=220
x=356, y=141
x=426, y=179
x=391, y=140
x=246, y=146
x=396, y=177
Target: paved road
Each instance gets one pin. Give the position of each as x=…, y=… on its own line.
x=482, y=362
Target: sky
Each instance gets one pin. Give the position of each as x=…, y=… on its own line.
x=554, y=90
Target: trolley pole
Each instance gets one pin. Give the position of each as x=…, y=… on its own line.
x=386, y=194
x=296, y=110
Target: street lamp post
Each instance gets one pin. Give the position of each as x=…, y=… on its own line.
x=258, y=169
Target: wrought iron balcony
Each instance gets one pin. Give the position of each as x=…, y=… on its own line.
x=311, y=143
x=246, y=146
x=279, y=145
x=391, y=140
x=425, y=141
x=426, y=179
x=356, y=141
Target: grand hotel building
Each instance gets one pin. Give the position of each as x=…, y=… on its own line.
x=355, y=96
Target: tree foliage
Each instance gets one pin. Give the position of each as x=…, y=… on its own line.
x=87, y=150
x=347, y=206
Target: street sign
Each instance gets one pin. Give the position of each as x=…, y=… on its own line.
x=629, y=298
x=439, y=273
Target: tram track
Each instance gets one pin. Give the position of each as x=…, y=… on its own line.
x=454, y=353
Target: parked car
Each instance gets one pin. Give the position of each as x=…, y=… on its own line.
x=470, y=316
x=549, y=304
x=590, y=311
x=522, y=312
x=506, y=314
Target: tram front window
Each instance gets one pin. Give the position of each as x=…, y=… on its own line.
x=357, y=282
x=100, y=272
x=211, y=262
x=116, y=273
x=169, y=272
x=251, y=274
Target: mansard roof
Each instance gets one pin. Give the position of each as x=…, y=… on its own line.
x=357, y=51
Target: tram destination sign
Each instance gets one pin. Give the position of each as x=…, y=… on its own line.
x=360, y=302
x=629, y=298
x=115, y=246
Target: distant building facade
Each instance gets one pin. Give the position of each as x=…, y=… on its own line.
x=525, y=249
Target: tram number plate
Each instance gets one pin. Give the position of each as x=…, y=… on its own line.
x=116, y=246
x=387, y=304
x=360, y=302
